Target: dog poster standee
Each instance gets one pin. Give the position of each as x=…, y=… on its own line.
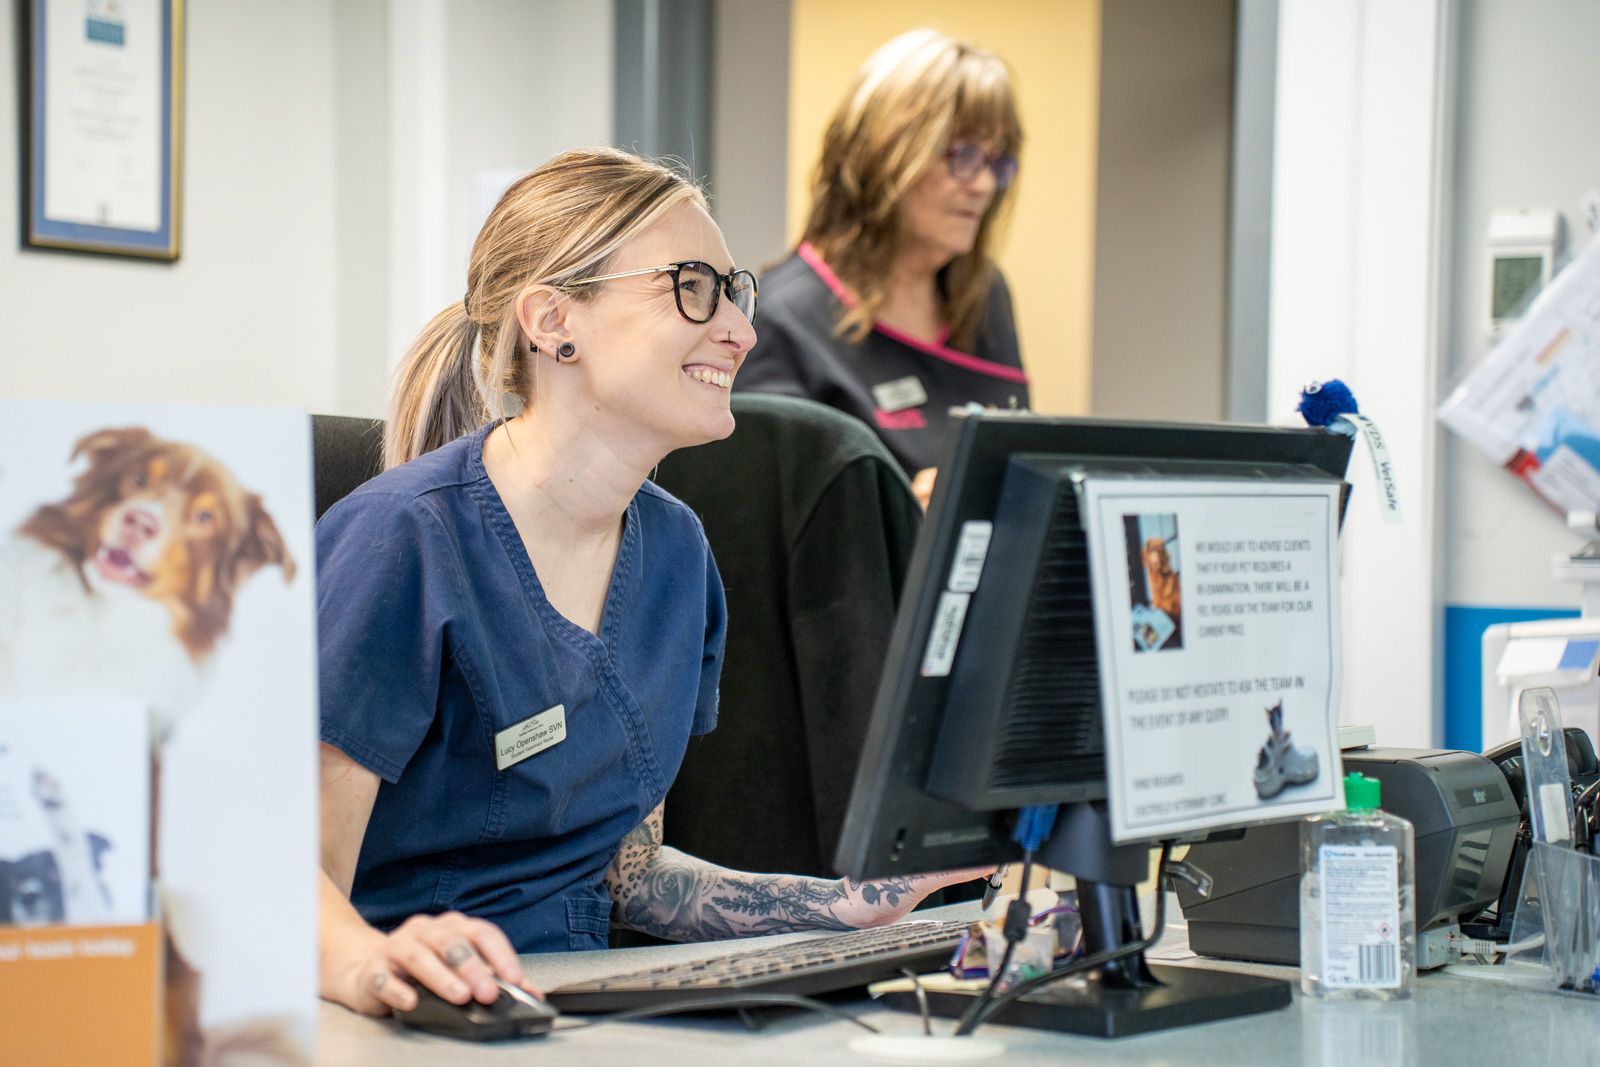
x=161, y=558
x=1217, y=636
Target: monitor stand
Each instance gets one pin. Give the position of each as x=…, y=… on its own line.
x=1127, y=996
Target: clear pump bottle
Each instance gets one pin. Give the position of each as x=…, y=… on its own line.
x=1358, y=926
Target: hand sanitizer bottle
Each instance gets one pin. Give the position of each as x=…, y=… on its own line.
x=1358, y=926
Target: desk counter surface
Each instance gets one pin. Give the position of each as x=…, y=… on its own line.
x=1454, y=1019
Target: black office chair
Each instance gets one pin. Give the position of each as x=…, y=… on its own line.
x=811, y=522
x=345, y=452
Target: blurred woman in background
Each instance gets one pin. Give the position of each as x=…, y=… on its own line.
x=890, y=308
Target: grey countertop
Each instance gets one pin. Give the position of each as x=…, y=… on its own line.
x=1464, y=1018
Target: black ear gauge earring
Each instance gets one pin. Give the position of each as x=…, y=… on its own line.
x=565, y=350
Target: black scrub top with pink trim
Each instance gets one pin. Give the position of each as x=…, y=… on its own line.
x=902, y=387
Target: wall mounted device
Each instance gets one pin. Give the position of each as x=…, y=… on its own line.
x=1523, y=246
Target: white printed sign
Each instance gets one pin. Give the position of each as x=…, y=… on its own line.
x=1216, y=626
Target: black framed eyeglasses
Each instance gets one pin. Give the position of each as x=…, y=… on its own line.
x=697, y=287
x=966, y=159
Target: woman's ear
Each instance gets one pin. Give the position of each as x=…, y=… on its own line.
x=542, y=314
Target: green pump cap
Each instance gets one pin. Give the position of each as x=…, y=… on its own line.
x=1360, y=792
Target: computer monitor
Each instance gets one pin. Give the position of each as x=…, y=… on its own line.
x=938, y=789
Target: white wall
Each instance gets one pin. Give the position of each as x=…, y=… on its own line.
x=750, y=143
x=527, y=79
x=1161, y=209
x=477, y=89
x=328, y=203
x=248, y=312
x=361, y=198
x=1527, y=88
x=1361, y=144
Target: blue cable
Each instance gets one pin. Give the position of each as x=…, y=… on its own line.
x=1034, y=824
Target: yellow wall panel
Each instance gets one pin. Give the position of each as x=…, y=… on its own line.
x=1047, y=253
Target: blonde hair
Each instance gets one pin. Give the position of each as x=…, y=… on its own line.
x=562, y=221
x=909, y=101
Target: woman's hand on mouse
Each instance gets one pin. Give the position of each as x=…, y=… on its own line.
x=455, y=956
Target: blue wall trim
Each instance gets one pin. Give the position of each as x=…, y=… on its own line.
x=1463, y=665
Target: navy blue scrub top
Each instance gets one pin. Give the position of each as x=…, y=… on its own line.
x=435, y=635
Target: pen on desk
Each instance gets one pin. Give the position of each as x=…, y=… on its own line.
x=992, y=886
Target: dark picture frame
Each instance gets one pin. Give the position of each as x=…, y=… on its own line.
x=102, y=126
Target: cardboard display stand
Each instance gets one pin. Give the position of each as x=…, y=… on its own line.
x=156, y=566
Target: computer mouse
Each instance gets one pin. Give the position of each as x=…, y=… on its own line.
x=516, y=1014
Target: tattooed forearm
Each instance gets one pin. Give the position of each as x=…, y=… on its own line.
x=668, y=894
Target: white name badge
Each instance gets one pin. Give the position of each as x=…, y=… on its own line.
x=532, y=735
x=900, y=394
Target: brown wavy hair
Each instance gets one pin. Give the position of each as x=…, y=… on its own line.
x=911, y=99
x=560, y=222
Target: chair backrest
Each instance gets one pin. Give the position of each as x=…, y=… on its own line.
x=345, y=452
x=811, y=522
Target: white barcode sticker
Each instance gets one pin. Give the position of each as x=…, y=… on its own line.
x=1360, y=917
x=941, y=650
x=972, y=548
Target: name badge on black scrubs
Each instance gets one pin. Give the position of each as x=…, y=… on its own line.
x=533, y=734
x=899, y=394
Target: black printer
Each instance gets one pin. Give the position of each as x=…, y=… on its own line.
x=1465, y=820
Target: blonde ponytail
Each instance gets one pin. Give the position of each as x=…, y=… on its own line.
x=435, y=397
x=562, y=221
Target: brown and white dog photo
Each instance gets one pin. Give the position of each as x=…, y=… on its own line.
x=141, y=563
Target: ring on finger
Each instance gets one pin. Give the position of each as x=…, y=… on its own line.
x=458, y=953
x=379, y=980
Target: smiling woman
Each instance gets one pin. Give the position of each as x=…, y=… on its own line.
x=514, y=618
x=890, y=308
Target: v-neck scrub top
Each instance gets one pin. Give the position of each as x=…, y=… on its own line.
x=435, y=636
x=799, y=354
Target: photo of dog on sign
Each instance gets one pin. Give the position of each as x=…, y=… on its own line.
x=1155, y=588
x=159, y=557
x=74, y=814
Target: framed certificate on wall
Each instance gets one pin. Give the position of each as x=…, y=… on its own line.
x=104, y=126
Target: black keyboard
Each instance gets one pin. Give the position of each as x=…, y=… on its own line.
x=807, y=966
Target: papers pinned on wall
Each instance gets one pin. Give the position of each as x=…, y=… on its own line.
x=1533, y=404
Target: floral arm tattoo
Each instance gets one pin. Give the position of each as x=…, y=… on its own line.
x=663, y=892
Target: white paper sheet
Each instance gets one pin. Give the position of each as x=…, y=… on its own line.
x=1217, y=623
x=103, y=113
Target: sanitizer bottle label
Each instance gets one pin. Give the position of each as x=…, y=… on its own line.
x=1360, y=917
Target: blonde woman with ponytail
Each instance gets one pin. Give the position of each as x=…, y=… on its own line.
x=890, y=309
x=519, y=632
